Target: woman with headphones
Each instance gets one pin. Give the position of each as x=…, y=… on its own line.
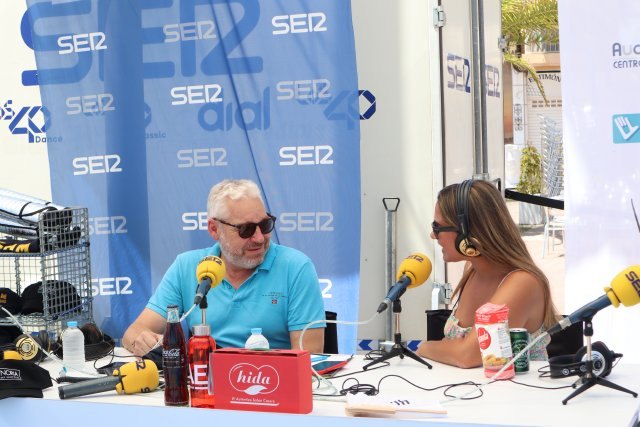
x=472, y=224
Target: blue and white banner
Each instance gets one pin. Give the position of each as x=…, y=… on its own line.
x=600, y=58
x=151, y=102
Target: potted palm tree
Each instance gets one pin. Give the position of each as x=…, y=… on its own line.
x=530, y=182
x=526, y=22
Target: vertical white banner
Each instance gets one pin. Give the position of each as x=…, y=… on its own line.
x=600, y=57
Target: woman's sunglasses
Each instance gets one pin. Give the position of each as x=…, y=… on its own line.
x=437, y=228
x=248, y=229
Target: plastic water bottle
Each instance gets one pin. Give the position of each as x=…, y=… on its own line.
x=256, y=340
x=73, y=346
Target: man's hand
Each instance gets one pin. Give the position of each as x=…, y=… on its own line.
x=145, y=342
x=145, y=333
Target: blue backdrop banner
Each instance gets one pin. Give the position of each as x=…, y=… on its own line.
x=151, y=102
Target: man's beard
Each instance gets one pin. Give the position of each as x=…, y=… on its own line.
x=237, y=259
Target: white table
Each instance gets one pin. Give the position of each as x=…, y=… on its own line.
x=503, y=403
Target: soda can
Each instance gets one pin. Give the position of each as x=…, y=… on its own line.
x=519, y=340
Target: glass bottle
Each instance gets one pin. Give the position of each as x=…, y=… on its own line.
x=174, y=361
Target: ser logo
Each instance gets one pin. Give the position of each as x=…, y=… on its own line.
x=111, y=286
x=108, y=225
x=31, y=121
x=196, y=94
x=299, y=23
x=459, y=72
x=306, y=155
x=306, y=221
x=94, y=165
x=90, y=104
x=82, y=42
x=193, y=221
x=189, y=31
x=632, y=277
x=493, y=80
x=303, y=90
x=202, y=157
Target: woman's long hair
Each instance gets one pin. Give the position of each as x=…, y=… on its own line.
x=493, y=232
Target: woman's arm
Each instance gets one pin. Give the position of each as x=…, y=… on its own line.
x=460, y=352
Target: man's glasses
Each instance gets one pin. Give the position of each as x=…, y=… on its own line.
x=248, y=229
x=437, y=228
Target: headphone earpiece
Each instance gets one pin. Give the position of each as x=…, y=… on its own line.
x=568, y=365
x=466, y=248
x=30, y=347
x=463, y=245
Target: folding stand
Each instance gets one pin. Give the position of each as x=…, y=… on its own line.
x=589, y=379
x=398, y=349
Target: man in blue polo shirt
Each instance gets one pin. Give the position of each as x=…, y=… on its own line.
x=266, y=285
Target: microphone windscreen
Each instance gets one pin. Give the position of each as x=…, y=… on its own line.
x=417, y=267
x=625, y=287
x=211, y=267
x=137, y=377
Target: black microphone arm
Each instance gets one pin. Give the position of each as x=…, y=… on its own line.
x=395, y=292
x=92, y=386
x=203, y=288
x=583, y=313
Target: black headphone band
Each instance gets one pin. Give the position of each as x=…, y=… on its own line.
x=463, y=245
x=462, y=205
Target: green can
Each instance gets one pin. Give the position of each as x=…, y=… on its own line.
x=519, y=340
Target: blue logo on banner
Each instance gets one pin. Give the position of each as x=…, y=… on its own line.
x=625, y=128
x=30, y=120
x=369, y=105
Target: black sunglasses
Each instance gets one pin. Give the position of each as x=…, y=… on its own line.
x=437, y=228
x=248, y=229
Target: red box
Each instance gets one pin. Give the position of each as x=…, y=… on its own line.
x=269, y=381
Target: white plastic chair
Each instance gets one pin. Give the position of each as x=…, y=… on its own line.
x=553, y=223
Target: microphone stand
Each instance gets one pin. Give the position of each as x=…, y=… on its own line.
x=398, y=349
x=589, y=379
x=203, y=309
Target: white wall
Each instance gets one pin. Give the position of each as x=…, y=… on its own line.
x=24, y=166
x=394, y=59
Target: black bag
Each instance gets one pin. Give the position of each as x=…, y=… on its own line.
x=436, y=319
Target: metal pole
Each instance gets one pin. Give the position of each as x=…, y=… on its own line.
x=479, y=90
x=391, y=207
